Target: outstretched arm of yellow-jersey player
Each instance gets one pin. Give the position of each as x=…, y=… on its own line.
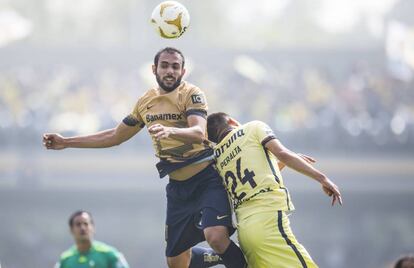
x=102, y=139
x=297, y=163
x=305, y=157
x=194, y=133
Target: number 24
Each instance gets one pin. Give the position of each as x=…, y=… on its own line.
x=248, y=177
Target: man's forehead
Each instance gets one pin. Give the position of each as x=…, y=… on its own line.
x=82, y=218
x=171, y=57
x=407, y=264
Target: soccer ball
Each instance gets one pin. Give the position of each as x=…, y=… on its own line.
x=170, y=19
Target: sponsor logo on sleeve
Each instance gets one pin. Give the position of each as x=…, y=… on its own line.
x=197, y=98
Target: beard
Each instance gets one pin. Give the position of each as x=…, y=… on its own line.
x=165, y=87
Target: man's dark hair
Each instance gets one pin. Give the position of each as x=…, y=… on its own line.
x=402, y=260
x=169, y=50
x=77, y=213
x=216, y=124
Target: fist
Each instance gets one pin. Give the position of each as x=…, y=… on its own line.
x=159, y=131
x=53, y=141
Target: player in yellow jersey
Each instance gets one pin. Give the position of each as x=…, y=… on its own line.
x=246, y=157
x=197, y=204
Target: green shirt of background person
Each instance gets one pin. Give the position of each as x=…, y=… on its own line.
x=88, y=253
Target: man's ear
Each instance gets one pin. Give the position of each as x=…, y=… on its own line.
x=154, y=69
x=233, y=122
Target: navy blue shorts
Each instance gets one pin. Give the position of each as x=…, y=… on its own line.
x=192, y=206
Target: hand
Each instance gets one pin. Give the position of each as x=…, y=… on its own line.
x=332, y=190
x=159, y=131
x=307, y=158
x=53, y=141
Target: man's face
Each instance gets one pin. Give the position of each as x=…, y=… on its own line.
x=169, y=71
x=407, y=264
x=82, y=228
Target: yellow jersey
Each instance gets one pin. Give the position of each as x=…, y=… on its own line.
x=250, y=172
x=171, y=110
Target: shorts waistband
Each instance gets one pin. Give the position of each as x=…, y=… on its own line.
x=193, y=178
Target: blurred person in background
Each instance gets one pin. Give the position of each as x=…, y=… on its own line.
x=246, y=159
x=197, y=204
x=405, y=262
x=88, y=252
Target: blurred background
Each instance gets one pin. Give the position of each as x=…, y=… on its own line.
x=334, y=78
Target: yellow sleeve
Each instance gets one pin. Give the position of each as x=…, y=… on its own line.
x=263, y=132
x=196, y=103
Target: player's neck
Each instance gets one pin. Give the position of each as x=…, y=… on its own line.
x=166, y=91
x=84, y=246
x=224, y=132
x=163, y=91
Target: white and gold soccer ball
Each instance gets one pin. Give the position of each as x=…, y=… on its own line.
x=170, y=19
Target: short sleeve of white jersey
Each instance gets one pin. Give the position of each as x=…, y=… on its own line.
x=263, y=132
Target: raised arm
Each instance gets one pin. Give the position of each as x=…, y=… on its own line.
x=305, y=157
x=299, y=164
x=194, y=133
x=102, y=139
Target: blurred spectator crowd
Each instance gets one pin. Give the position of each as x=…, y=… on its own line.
x=331, y=104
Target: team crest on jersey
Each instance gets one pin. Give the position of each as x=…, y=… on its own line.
x=197, y=98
